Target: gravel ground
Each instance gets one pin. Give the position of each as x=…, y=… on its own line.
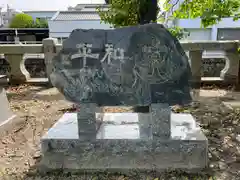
x=38, y=108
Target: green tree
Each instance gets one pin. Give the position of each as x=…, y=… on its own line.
x=22, y=21
x=40, y=23
x=210, y=11
x=130, y=12
x=120, y=13
x=44, y=24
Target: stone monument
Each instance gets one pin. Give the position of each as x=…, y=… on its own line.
x=5, y=110
x=139, y=66
x=6, y=113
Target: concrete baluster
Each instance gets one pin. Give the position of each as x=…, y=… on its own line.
x=18, y=72
x=230, y=72
x=49, y=48
x=196, y=65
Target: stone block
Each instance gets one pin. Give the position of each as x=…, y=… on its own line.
x=123, y=143
x=127, y=66
x=161, y=116
x=5, y=111
x=7, y=117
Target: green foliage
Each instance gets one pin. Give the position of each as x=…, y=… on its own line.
x=121, y=13
x=39, y=23
x=210, y=11
x=178, y=32
x=22, y=21
x=126, y=12
x=26, y=21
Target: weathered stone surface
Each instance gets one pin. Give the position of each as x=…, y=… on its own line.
x=141, y=66
x=133, y=66
x=5, y=110
x=7, y=119
x=125, y=142
x=161, y=125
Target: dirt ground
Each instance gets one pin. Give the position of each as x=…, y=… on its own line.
x=38, y=108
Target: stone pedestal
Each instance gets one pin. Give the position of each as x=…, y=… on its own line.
x=7, y=118
x=125, y=142
x=123, y=67
x=19, y=73
x=5, y=111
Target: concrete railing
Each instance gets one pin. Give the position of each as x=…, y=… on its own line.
x=229, y=73
x=14, y=54
x=21, y=42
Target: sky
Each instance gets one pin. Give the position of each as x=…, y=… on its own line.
x=44, y=4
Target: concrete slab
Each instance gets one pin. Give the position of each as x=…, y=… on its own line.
x=232, y=104
x=5, y=110
x=37, y=81
x=123, y=143
x=6, y=115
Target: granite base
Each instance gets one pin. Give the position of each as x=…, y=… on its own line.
x=124, y=143
x=5, y=110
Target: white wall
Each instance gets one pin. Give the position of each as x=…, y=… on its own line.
x=199, y=33
x=196, y=23
x=64, y=28
x=1, y=19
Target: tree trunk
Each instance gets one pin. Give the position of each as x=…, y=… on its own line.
x=148, y=11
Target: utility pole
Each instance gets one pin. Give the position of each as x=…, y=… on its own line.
x=8, y=14
x=1, y=17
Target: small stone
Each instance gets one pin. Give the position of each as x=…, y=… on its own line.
x=211, y=166
x=5, y=110
x=11, y=155
x=48, y=106
x=222, y=165
x=37, y=155
x=4, y=141
x=238, y=137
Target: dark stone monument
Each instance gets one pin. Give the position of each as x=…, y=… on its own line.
x=140, y=66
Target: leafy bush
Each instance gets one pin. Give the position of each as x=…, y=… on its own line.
x=22, y=21
x=26, y=21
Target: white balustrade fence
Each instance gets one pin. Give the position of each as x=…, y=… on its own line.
x=15, y=54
